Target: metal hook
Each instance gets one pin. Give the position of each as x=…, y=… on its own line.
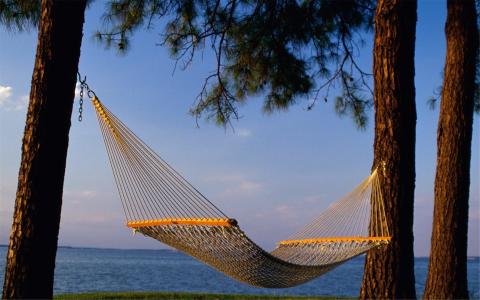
x=82, y=82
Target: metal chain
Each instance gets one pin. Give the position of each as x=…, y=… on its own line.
x=80, y=109
x=90, y=94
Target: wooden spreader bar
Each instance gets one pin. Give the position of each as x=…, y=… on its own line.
x=183, y=221
x=359, y=239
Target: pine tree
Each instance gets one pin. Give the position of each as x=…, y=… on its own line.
x=447, y=271
x=275, y=49
x=33, y=240
x=389, y=271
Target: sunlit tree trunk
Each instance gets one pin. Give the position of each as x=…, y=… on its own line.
x=447, y=270
x=389, y=270
x=33, y=240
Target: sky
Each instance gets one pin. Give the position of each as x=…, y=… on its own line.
x=273, y=173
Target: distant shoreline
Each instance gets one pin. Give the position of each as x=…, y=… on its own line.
x=107, y=248
x=161, y=249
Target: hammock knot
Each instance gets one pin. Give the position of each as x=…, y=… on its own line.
x=233, y=222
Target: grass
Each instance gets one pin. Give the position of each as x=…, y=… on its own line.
x=183, y=296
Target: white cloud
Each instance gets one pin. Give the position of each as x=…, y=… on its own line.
x=77, y=90
x=89, y=218
x=315, y=198
x=5, y=94
x=79, y=194
x=244, y=133
x=474, y=214
x=248, y=186
x=243, y=187
x=88, y=194
x=236, y=185
x=21, y=103
x=287, y=211
x=283, y=208
x=10, y=103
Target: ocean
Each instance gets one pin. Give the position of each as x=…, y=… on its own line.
x=80, y=270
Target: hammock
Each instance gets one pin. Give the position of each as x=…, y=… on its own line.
x=159, y=203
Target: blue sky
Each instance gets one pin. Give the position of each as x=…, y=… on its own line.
x=273, y=173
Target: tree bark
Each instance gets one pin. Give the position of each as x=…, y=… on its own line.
x=389, y=270
x=447, y=270
x=33, y=240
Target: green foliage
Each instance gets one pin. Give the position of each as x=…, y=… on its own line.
x=435, y=98
x=124, y=17
x=19, y=14
x=282, y=50
x=353, y=102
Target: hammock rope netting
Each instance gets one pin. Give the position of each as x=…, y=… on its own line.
x=159, y=203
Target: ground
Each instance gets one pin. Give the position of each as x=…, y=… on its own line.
x=183, y=296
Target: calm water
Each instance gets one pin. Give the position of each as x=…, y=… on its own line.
x=86, y=270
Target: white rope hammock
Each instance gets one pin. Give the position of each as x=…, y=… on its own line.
x=159, y=203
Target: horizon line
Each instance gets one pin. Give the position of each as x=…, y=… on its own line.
x=163, y=249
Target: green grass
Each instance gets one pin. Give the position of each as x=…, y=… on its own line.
x=182, y=296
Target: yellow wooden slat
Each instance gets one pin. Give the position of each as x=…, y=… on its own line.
x=338, y=239
x=182, y=221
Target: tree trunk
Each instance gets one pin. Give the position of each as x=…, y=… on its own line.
x=389, y=270
x=33, y=240
x=447, y=270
